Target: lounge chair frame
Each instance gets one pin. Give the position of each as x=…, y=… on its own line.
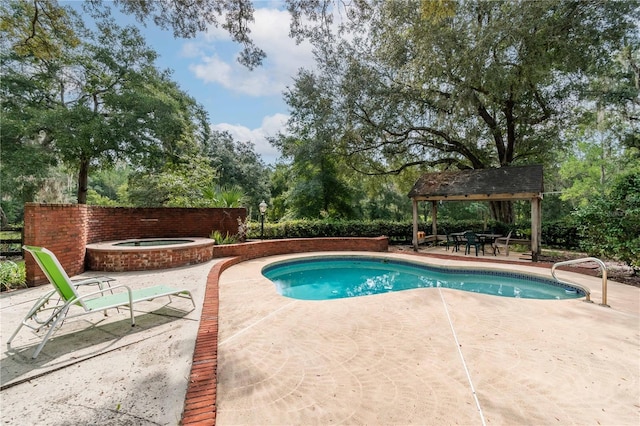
x=89, y=303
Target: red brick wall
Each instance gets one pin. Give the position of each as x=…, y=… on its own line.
x=254, y=250
x=62, y=228
x=66, y=229
x=119, y=223
x=161, y=258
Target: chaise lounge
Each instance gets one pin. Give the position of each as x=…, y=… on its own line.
x=68, y=297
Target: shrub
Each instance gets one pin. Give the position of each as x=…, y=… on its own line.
x=610, y=225
x=226, y=239
x=560, y=234
x=12, y=275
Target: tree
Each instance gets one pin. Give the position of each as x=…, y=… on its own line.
x=592, y=165
x=187, y=18
x=98, y=103
x=610, y=224
x=182, y=183
x=318, y=189
x=605, y=140
x=38, y=27
x=469, y=84
x=238, y=165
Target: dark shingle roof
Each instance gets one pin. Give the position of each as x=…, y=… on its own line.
x=504, y=182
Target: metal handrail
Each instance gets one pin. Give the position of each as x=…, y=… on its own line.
x=603, y=267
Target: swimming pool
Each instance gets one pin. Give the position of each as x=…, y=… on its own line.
x=335, y=277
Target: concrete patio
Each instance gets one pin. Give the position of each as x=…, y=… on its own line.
x=428, y=356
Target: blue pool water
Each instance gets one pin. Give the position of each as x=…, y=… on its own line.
x=332, y=277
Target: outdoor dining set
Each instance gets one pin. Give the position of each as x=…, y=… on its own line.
x=470, y=239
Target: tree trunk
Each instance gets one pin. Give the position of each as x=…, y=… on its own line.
x=83, y=181
x=502, y=211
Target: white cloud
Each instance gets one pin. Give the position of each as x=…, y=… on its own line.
x=270, y=126
x=191, y=50
x=270, y=32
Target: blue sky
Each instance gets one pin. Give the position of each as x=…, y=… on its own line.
x=248, y=104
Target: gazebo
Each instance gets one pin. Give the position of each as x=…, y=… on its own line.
x=501, y=184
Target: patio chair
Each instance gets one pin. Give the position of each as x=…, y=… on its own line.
x=473, y=240
x=502, y=242
x=68, y=297
x=453, y=241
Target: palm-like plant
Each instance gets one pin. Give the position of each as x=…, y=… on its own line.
x=228, y=197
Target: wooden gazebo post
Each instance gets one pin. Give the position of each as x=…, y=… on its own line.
x=536, y=227
x=415, y=224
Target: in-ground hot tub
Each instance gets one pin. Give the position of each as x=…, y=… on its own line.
x=148, y=253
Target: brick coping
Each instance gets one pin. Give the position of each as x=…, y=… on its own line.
x=200, y=399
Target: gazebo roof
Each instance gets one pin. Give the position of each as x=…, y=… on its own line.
x=504, y=183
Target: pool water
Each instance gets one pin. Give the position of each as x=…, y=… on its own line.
x=331, y=277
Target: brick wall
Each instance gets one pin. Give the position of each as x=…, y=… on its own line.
x=62, y=228
x=66, y=229
x=254, y=250
x=120, y=223
x=145, y=260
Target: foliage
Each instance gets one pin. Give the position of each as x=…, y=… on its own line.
x=395, y=230
x=610, y=224
x=229, y=197
x=187, y=18
x=237, y=165
x=95, y=199
x=179, y=184
x=319, y=187
x=465, y=84
x=561, y=234
x=597, y=158
x=12, y=275
x=226, y=239
x=106, y=186
x=33, y=25
x=94, y=103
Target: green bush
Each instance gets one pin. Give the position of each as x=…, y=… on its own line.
x=223, y=239
x=610, y=225
x=12, y=275
x=399, y=232
x=559, y=234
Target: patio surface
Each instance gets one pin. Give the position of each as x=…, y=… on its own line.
x=425, y=356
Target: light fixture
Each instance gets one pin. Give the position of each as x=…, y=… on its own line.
x=263, y=209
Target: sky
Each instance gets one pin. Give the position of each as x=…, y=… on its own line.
x=247, y=104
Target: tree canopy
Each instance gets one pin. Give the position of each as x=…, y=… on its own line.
x=491, y=85
x=94, y=103
x=467, y=84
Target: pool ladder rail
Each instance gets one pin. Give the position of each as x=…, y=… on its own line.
x=603, y=267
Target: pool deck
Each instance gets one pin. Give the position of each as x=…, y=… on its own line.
x=424, y=356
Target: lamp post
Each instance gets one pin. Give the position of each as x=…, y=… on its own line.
x=263, y=209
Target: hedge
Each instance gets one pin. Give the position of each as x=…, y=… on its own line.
x=555, y=234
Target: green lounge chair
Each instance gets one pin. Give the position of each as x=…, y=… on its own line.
x=95, y=301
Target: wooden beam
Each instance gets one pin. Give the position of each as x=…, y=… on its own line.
x=536, y=228
x=477, y=197
x=434, y=216
x=415, y=224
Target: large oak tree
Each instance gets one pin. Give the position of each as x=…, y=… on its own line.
x=467, y=84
